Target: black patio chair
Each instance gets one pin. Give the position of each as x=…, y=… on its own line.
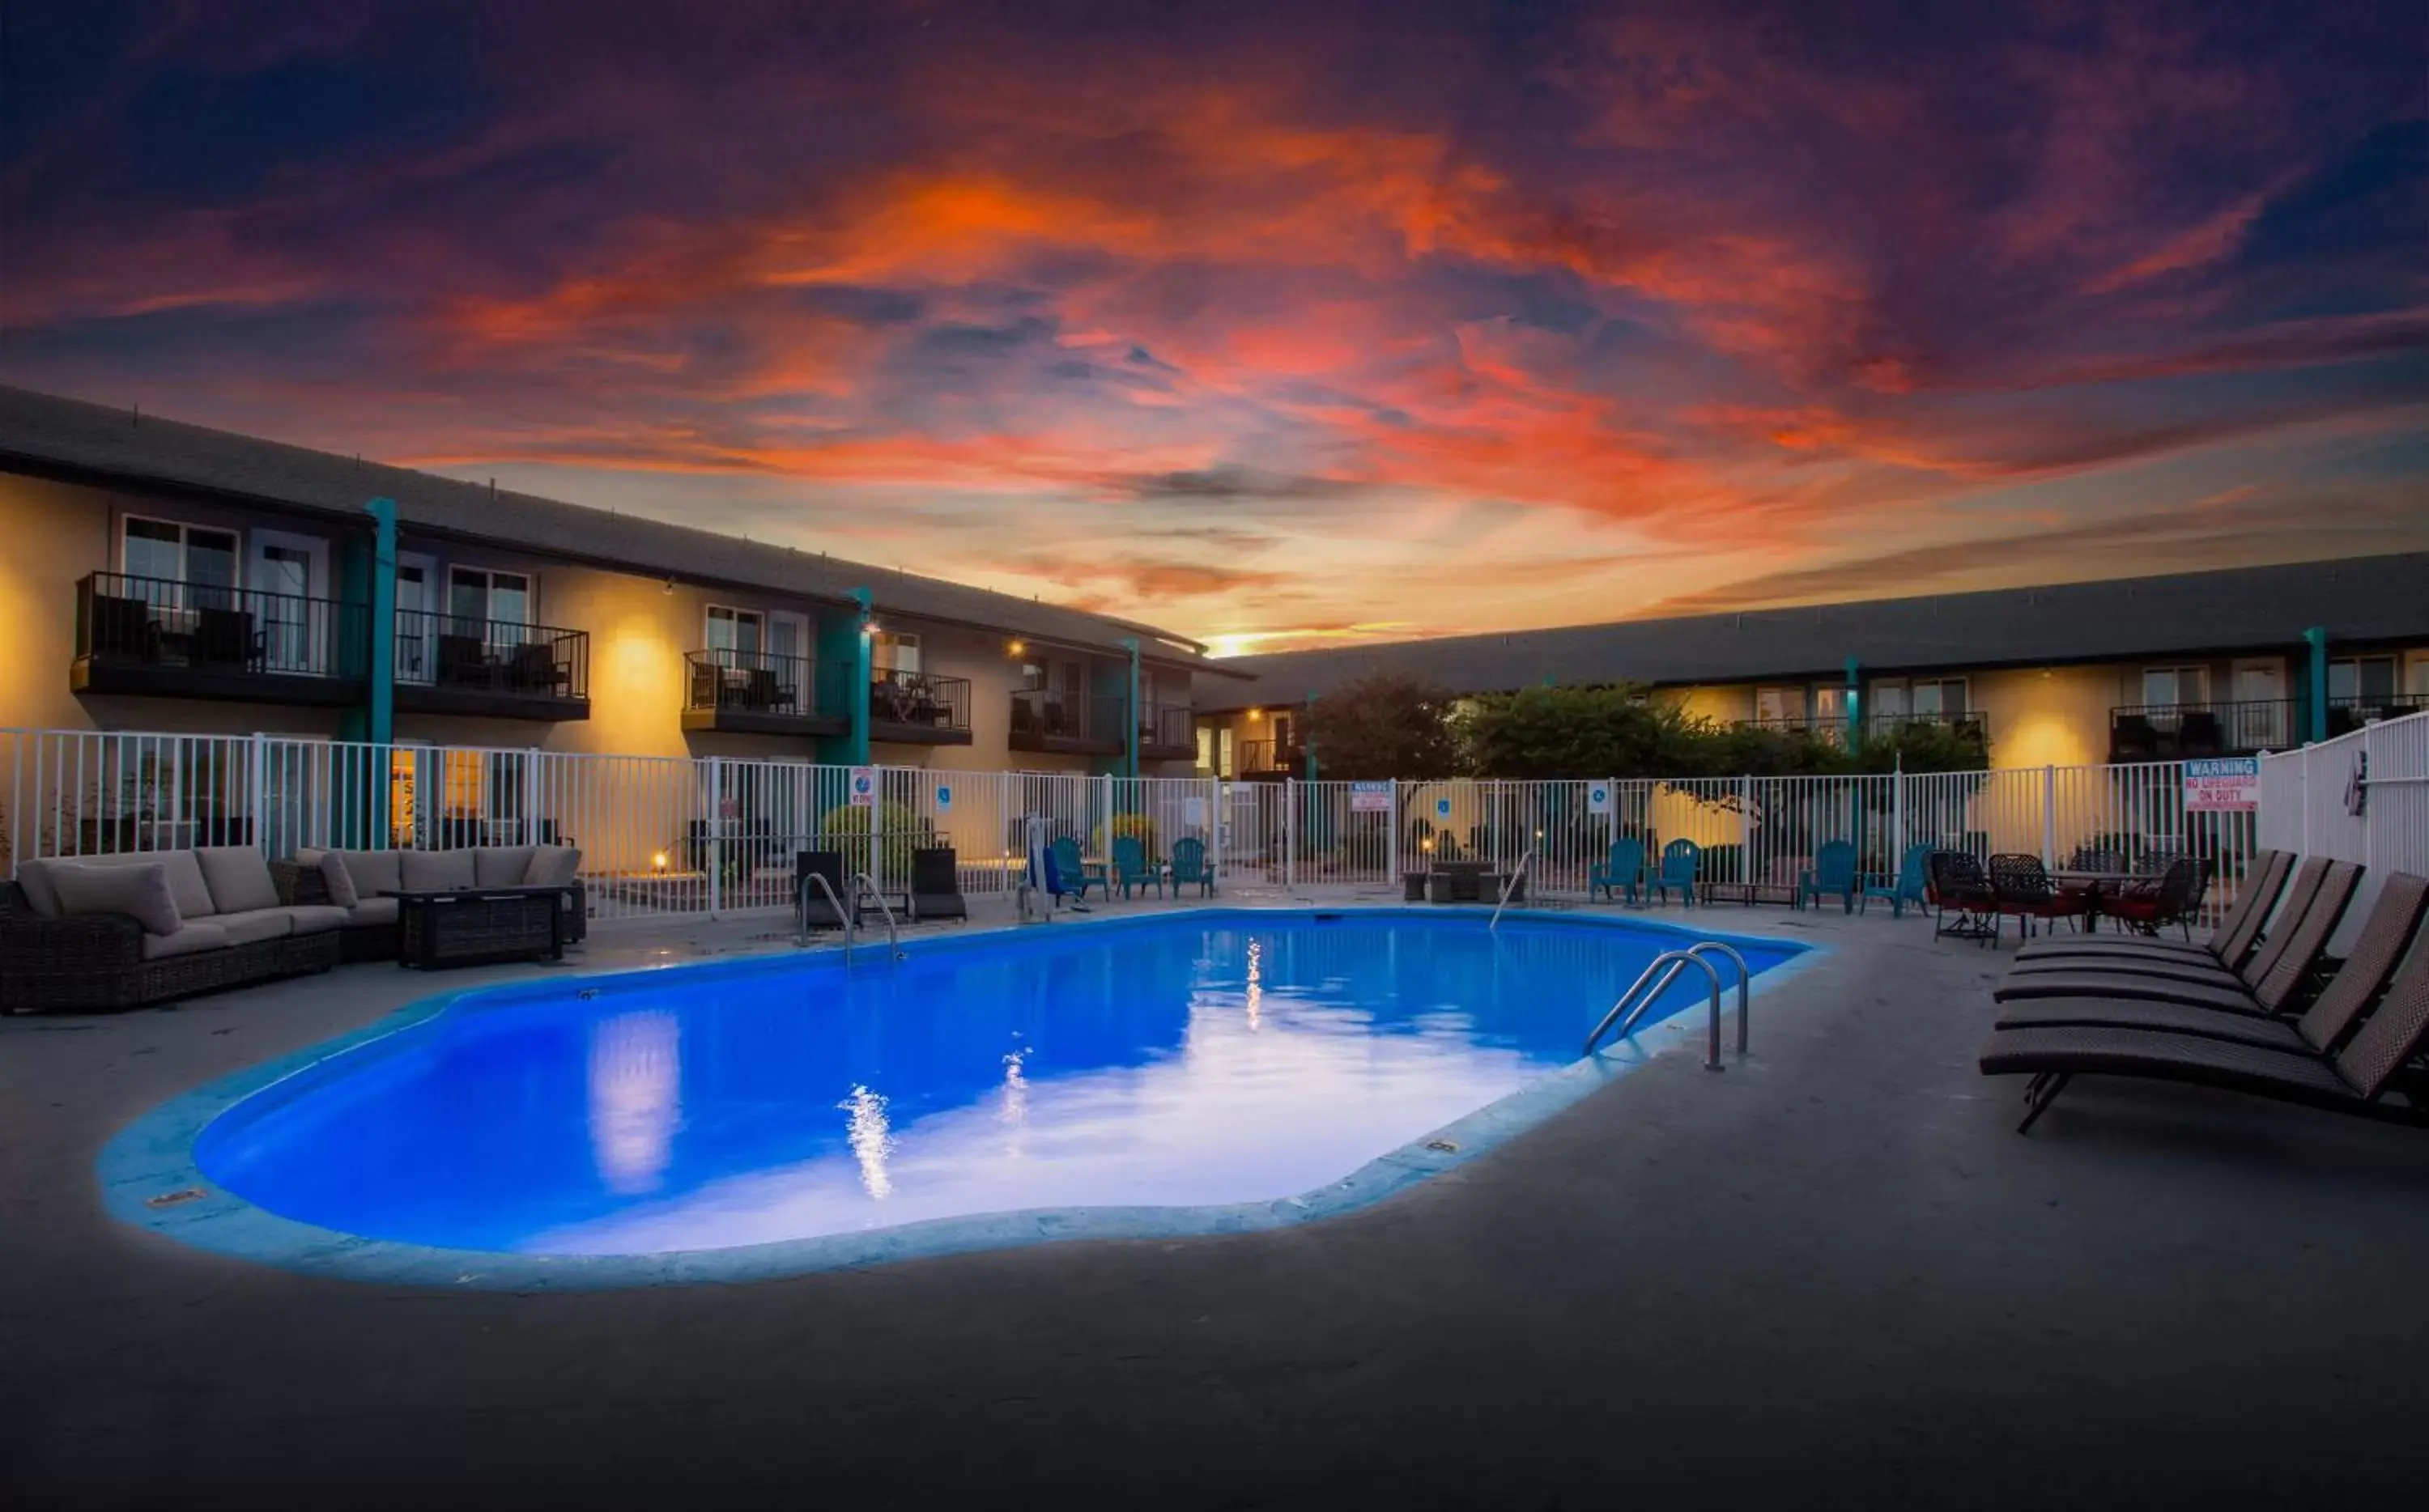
x=816, y=905
x=2021, y=889
x=226, y=637
x=1959, y=886
x=936, y=885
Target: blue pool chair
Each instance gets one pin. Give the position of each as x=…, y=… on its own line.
x=1680, y=860
x=1624, y=872
x=1832, y=875
x=1190, y=866
x=1913, y=876
x=1077, y=876
x=1132, y=869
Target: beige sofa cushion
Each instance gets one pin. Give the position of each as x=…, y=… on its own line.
x=374, y=871
x=254, y=924
x=189, y=938
x=372, y=910
x=436, y=871
x=140, y=891
x=338, y=881
x=185, y=878
x=501, y=866
x=315, y=918
x=552, y=866
x=238, y=878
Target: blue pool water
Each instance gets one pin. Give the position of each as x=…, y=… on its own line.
x=1176, y=1060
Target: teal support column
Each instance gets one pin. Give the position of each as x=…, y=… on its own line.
x=2315, y=722
x=379, y=681
x=863, y=651
x=1854, y=706
x=1130, y=710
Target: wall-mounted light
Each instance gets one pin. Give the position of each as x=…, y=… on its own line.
x=1256, y=714
x=669, y=587
x=1018, y=649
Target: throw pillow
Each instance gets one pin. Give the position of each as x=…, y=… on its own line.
x=554, y=866
x=239, y=879
x=436, y=871
x=140, y=891
x=338, y=881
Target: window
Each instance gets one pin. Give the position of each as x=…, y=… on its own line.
x=1281, y=735
x=736, y=635
x=1831, y=705
x=1922, y=697
x=477, y=594
x=191, y=556
x=2166, y=687
x=891, y=653
x=1206, y=748
x=2362, y=679
x=1223, y=743
x=1779, y=706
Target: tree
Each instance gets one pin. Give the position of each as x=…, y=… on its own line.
x=1384, y=724
x=1607, y=731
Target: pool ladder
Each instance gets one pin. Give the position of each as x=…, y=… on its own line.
x=1663, y=969
x=1509, y=887
x=861, y=882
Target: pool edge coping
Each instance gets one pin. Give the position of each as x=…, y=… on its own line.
x=151, y=1178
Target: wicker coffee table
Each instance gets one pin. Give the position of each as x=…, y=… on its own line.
x=481, y=924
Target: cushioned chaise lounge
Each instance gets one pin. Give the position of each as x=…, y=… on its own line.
x=2393, y=926
x=2356, y=1080
x=2267, y=984
x=2231, y=945
x=145, y=927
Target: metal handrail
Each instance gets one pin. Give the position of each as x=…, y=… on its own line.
x=802, y=913
x=1633, y=1002
x=862, y=882
x=1507, y=888
x=1745, y=982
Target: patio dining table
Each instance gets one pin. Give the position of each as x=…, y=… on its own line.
x=2092, y=886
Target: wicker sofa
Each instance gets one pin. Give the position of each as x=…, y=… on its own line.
x=221, y=923
x=370, y=932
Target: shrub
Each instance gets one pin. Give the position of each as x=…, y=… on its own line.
x=899, y=831
x=1139, y=827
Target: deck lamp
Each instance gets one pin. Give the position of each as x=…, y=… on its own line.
x=658, y=862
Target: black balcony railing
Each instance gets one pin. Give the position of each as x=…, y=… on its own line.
x=2350, y=713
x=1834, y=730
x=1973, y=722
x=1054, y=718
x=920, y=701
x=1270, y=758
x=763, y=684
x=1167, y=727
x=478, y=657
x=160, y=623
x=2174, y=731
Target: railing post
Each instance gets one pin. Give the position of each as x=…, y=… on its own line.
x=1746, y=828
x=709, y=838
x=1290, y=832
x=2049, y=816
x=1391, y=834
x=1897, y=812
x=258, y=792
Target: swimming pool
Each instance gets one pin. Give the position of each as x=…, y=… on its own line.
x=1166, y=1073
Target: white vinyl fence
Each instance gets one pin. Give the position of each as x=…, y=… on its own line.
x=672, y=836
x=2363, y=797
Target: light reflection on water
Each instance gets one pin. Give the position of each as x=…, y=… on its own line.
x=1162, y=1064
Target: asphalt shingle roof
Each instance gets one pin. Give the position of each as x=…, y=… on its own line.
x=2355, y=599
x=49, y=434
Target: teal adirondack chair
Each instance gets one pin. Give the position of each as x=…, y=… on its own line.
x=1079, y=876
x=1680, y=860
x=1624, y=872
x=1832, y=875
x=1130, y=867
x=1913, y=875
x=1190, y=866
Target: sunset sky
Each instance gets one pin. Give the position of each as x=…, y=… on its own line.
x=1280, y=324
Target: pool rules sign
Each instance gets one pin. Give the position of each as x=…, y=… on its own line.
x=2229, y=784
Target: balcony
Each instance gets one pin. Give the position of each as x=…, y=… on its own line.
x=918, y=709
x=2176, y=732
x=1072, y=724
x=761, y=693
x=446, y=663
x=158, y=637
x=2346, y=715
x=1166, y=734
x=1269, y=761
x=1969, y=723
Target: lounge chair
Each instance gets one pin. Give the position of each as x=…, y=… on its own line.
x=1132, y=869
x=2267, y=984
x=2022, y=890
x=1680, y=861
x=1622, y=871
x=817, y=909
x=2393, y=926
x=2310, y=880
x=2352, y=1080
x=1190, y=866
x=1079, y=876
x=1959, y=886
x=2231, y=945
x=1913, y=877
x=936, y=885
x=1832, y=875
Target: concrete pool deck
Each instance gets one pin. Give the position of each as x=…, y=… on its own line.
x=1831, y=1276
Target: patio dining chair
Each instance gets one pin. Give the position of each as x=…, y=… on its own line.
x=2021, y=889
x=1958, y=885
